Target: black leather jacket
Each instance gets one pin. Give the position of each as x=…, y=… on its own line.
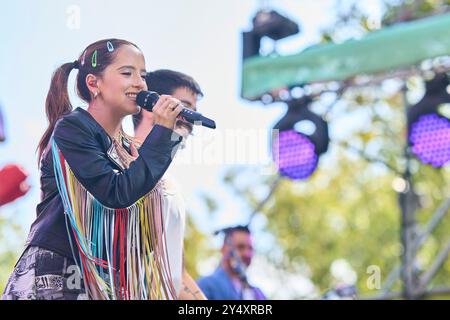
x=87, y=148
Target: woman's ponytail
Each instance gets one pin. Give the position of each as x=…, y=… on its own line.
x=57, y=103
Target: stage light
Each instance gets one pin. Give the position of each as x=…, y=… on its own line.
x=296, y=152
x=428, y=130
x=271, y=24
x=266, y=23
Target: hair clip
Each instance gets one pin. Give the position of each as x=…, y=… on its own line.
x=110, y=46
x=94, y=59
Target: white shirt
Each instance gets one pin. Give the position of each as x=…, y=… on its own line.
x=174, y=217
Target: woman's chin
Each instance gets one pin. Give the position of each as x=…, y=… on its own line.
x=136, y=109
x=132, y=107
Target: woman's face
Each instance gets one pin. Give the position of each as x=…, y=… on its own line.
x=122, y=80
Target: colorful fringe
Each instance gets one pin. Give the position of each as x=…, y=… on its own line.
x=123, y=252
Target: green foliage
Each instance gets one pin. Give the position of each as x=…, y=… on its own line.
x=196, y=247
x=412, y=10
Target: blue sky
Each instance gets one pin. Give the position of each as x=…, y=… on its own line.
x=198, y=37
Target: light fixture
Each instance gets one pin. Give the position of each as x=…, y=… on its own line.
x=296, y=151
x=428, y=130
x=266, y=23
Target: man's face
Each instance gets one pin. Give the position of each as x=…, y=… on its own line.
x=243, y=245
x=189, y=100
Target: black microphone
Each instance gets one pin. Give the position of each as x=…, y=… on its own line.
x=147, y=99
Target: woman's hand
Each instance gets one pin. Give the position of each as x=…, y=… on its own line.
x=166, y=110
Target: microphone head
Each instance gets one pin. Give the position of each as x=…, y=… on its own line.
x=147, y=99
x=206, y=122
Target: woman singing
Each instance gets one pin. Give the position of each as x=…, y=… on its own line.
x=98, y=232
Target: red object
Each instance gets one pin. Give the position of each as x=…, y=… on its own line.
x=12, y=183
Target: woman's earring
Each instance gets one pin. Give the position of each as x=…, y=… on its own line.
x=95, y=94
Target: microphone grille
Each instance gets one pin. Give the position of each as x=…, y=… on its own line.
x=147, y=99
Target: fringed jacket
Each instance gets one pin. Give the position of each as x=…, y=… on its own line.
x=89, y=152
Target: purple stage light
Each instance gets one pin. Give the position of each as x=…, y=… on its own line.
x=430, y=139
x=294, y=154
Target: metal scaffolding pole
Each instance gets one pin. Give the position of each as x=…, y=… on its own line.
x=408, y=222
x=438, y=215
